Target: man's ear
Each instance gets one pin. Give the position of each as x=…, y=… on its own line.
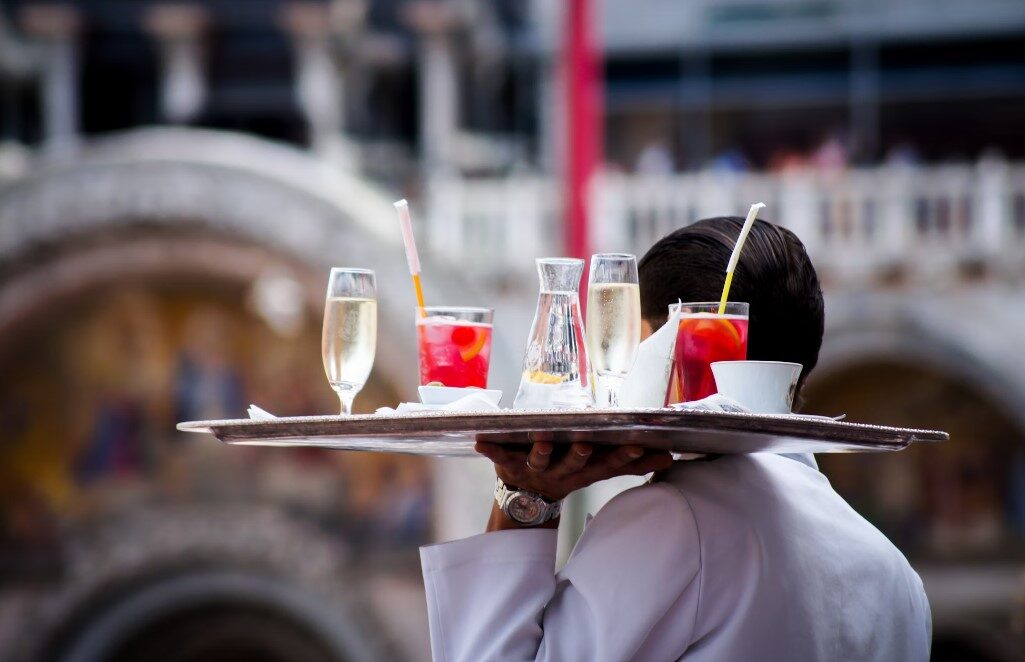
x=646, y=329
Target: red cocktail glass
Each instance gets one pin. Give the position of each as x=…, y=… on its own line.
x=454, y=346
x=705, y=336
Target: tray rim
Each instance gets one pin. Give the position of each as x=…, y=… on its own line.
x=440, y=423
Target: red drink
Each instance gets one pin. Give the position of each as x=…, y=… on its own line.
x=702, y=339
x=453, y=352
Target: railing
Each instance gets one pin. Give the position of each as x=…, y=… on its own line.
x=494, y=228
x=931, y=224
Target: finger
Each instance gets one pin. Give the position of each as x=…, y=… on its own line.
x=623, y=456
x=540, y=456
x=541, y=435
x=653, y=461
x=625, y=461
x=499, y=454
x=575, y=460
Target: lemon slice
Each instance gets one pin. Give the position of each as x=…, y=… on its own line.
x=541, y=377
x=473, y=349
x=712, y=326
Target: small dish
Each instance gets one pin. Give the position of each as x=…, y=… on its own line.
x=443, y=395
x=762, y=387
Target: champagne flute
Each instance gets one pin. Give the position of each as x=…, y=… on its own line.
x=349, y=340
x=613, y=327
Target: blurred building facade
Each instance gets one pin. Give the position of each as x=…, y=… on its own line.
x=149, y=275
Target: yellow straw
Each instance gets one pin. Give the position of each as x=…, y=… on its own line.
x=412, y=259
x=752, y=214
x=725, y=292
x=419, y=292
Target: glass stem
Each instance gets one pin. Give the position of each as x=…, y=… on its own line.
x=346, y=397
x=611, y=385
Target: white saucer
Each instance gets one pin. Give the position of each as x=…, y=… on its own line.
x=443, y=395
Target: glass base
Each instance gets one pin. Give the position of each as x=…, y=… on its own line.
x=567, y=395
x=606, y=390
x=346, y=394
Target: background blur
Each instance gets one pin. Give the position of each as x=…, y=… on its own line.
x=176, y=179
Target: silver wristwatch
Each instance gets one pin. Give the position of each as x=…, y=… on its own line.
x=526, y=508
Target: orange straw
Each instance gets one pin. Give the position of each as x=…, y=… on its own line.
x=412, y=259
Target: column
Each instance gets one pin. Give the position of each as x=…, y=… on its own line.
x=179, y=29
x=349, y=38
x=55, y=27
x=434, y=22
x=992, y=231
x=378, y=57
x=319, y=80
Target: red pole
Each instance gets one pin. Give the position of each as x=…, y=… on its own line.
x=584, y=127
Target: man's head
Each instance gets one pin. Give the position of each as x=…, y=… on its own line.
x=774, y=275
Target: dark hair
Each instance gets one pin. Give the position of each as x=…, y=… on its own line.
x=774, y=275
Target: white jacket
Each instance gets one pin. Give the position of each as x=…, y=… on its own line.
x=746, y=557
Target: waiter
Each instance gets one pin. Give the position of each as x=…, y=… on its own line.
x=742, y=557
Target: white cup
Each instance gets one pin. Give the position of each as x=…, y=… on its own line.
x=762, y=387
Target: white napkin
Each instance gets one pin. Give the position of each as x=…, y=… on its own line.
x=471, y=402
x=714, y=402
x=257, y=414
x=646, y=384
x=719, y=402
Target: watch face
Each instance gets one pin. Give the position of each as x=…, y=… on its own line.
x=525, y=509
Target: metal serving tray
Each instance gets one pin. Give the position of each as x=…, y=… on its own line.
x=452, y=434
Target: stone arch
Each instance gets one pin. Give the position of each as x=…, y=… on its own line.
x=219, y=208
x=971, y=336
x=948, y=361
x=234, y=197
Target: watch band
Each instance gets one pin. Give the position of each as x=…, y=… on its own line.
x=525, y=507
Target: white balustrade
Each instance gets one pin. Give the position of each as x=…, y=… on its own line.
x=493, y=228
x=859, y=225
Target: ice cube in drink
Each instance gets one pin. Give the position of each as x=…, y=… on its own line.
x=453, y=352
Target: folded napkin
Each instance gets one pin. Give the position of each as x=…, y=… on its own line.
x=714, y=402
x=719, y=402
x=257, y=414
x=646, y=384
x=471, y=402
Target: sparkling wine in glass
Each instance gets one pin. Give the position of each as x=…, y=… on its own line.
x=613, y=327
x=349, y=340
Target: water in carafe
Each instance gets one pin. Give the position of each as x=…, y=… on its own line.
x=555, y=367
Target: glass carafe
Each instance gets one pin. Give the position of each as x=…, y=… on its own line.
x=555, y=367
